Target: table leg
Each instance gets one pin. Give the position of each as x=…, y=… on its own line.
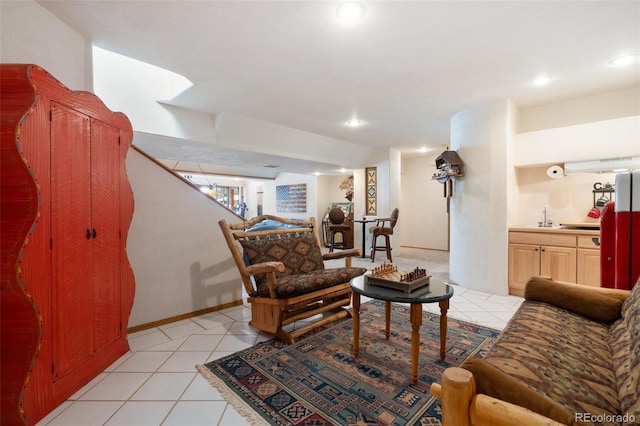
x=356, y=323
x=364, y=241
x=387, y=319
x=416, y=322
x=444, y=306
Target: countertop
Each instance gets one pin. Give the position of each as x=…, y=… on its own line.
x=556, y=230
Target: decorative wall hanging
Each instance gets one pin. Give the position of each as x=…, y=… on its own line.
x=371, y=176
x=291, y=198
x=449, y=166
x=347, y=184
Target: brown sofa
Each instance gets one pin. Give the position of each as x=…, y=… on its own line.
x=569, y=355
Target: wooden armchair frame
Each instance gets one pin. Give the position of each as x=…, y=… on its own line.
x=462, y=406
x=272, y=314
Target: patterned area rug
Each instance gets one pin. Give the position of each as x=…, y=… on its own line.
x=316, y=381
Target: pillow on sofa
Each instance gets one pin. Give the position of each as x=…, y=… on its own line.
x=596, y=307
x=493, y=382
x=300, y=255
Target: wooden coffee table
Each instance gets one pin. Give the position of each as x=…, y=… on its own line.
x=436, y=291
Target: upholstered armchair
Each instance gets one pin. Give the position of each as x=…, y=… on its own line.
x=283, y=272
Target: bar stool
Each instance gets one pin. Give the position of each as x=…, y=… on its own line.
x=383, y=228
x=337, y=225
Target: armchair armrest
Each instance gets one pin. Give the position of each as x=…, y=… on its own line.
x=602, y=305
x=341, y=254
x=263, y=268
x=269, y=268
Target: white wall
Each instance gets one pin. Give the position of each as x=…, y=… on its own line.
x=425, y=222
x=567, y=199
x=589, y=109
x=179, y=258
x=239, y=132
x=135, y=87
x=605, y=139
x=31, y=34
x=329, y=192
x=478, y=251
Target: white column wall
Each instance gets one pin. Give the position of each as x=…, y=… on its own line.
x=478, y=254
x=395, y=195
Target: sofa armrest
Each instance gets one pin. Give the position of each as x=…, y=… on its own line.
x=464, y=403
x=590, y=302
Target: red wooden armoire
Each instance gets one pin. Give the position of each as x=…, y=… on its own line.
x=67, y=287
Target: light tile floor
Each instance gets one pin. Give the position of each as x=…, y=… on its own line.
x=156, y=382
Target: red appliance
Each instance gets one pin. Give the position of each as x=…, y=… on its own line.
x=620, y=235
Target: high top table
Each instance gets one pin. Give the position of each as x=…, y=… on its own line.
x=436, y=291
x=364, y=234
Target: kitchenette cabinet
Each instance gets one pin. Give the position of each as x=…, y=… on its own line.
x=570, y=255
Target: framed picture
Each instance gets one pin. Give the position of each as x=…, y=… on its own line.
x=291, y=198
x=346, y=207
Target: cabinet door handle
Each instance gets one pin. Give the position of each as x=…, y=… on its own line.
x=542, y=249
x=535, y=249
x=88, y=234
x=94, y=234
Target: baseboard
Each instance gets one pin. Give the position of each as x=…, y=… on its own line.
x=169, y=320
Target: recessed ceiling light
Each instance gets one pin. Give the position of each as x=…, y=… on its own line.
x=624, y=60
x=423, y=150
x=354, y=122
x=350, y=11
x=541, y=80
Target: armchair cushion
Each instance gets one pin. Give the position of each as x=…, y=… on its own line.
x=298, y=284
x=596, y=307
x=299, y=255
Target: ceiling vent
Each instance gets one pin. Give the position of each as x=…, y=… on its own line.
x=610, y=165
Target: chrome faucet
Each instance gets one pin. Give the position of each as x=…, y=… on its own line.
x=546, y=222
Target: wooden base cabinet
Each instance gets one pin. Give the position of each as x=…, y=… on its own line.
x=554, y=254
x=588, y=260
x=67, y=286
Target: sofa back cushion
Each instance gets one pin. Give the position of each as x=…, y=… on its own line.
x=624, y=340
x=300, y=254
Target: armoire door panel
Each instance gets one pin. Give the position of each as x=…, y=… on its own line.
x=70, y=251
x=106, y=243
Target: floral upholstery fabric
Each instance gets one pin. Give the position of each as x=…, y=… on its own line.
x=297, y=284
x=304, y=266
x=624, y=339
x=561, y=355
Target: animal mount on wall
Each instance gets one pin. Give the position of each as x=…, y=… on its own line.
x=449, y=165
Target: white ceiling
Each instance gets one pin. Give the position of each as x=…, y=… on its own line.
x=405, y=69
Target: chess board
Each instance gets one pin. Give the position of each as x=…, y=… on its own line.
x=391, y=279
